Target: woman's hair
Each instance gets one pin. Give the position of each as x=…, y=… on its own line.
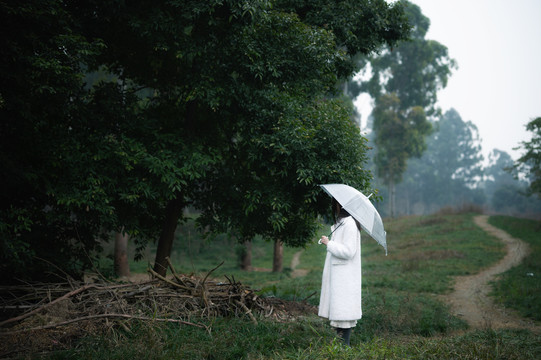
x=339, y=212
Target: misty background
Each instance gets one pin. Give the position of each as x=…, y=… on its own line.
x=469, y=157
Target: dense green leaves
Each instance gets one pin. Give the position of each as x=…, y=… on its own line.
x=272, y=180
x=448, y=171
x=399, y=135
x=403, y=81
x=530, y=161
x=118, y=114
x=415, y=70
x=360, y=27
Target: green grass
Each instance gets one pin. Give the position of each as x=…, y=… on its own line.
x=520, y=287
x=304, y=339
x=403, y=315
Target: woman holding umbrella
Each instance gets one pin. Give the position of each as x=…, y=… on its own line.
x=340, y=300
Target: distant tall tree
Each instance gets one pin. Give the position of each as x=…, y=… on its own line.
x=496, y=173
x=399, y=135
x=449, y=169
x=404, y=79
x=506, y=193
x=529, y=163
x=460, y=149
x=414, y=70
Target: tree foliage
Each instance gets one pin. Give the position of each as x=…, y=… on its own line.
x=497, y=172
x=403, y=81
x=414, y=70
x=40, y=96
x=530, y=161
x=448, y=172
x=121, y=114
x=399, y=135
x=272, y=190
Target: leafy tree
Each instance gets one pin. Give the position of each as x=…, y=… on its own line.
x=449, y=170
x=399, y=136
x=359, y=27
x=403, y=81
x=529, y=163
x=40, y=95
x=275, y=192
x=497, y=173
x=257, y=69
x=187, y=83
x=507, y=193
x=414, y=70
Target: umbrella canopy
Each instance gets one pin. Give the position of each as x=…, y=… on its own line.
x=360, y=207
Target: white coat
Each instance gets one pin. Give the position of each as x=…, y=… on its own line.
x=340, y=297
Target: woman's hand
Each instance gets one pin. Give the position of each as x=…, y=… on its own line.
x=324, y=240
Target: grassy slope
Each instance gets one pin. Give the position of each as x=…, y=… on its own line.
x=520, y=287
x=402, y=317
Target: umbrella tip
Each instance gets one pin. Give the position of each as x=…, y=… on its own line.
x=370, y=195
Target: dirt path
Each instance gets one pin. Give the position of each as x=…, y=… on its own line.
x=295, y=261
x=470, y=299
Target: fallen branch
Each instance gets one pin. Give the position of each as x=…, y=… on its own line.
x=92, y=317
x=71, y=293
x=210, y=272
x=138, y=291
x=309, y=296
x=168, y=281
x=172, y=268
x=247, y=311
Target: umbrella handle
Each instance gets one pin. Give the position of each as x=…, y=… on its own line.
x=336, y=228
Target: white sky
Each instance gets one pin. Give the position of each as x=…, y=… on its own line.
x=497, y=45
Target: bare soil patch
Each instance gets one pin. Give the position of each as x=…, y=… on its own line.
x=295, y=263
x=470, y=299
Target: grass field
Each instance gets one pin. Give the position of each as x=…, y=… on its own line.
x=403, y=316
x=520, y=287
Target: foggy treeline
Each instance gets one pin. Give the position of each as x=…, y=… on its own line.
x=453, y=174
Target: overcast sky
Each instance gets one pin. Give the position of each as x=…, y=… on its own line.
x=497, y=45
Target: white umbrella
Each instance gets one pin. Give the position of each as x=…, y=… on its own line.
x=360, y=207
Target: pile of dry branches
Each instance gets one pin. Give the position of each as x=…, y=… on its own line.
x=100, y=305
x=159, y=299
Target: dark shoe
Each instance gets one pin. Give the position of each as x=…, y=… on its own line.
x=344, y=334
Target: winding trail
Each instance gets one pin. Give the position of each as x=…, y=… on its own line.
x=295, y=261
x=470, y=299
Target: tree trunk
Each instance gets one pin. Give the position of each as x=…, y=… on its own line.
x=121, y=265
x=408, y=205
x=278, y=259
x=391, y=198
x=173, y=211
x=246, y=258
